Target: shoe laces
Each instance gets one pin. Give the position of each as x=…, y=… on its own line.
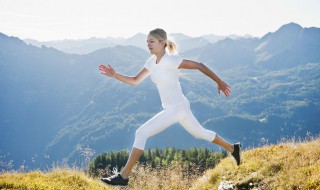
x=115, y=172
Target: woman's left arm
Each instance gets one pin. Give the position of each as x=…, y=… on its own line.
x=222, y=86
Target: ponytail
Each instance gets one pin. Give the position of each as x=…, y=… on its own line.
x=160, y=34
x=171, y=46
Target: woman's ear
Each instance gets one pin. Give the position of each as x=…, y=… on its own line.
x=163, y=42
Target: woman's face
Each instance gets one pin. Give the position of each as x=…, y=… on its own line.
x=155, y=46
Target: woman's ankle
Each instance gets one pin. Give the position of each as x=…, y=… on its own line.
x=124, y=176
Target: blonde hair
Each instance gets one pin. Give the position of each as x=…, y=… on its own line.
x=160, y=34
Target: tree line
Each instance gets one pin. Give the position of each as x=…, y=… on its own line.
x=198, y=159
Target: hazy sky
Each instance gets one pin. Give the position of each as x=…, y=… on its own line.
x=79, y=19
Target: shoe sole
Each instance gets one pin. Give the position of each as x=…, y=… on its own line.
x=113, y=185
x=240, y=150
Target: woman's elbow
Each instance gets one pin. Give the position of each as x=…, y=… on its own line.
x=201, y=67
x=134, y=82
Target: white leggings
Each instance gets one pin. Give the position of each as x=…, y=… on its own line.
x=179, y=113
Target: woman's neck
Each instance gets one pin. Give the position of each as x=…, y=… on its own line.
x=160, y=55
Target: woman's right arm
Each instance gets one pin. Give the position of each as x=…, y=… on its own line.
x=132, y=80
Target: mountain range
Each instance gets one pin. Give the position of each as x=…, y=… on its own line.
x=86, y=46
x=53, y=104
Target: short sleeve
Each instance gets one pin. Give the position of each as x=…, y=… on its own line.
x=177, y=60
x=147, y=65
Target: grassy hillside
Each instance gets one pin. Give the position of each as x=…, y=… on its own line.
x=63, y=178
x=290, y=165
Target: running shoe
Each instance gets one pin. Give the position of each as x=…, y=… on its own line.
x=116, y=180
x=237, y=153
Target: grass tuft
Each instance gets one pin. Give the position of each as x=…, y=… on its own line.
x=288, y=165
x=58, y=178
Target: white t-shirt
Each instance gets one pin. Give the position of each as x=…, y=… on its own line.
x=165, y=75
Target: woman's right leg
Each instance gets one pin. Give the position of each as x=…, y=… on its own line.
x=155, y=125
x=133, y=158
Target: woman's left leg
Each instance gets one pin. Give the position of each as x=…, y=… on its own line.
x=191, y=124
x=221, y=142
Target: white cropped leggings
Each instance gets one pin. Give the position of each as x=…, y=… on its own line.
x=179, y=113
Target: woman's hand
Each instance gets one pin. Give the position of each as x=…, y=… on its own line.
x=222, y=86
x=107, y=70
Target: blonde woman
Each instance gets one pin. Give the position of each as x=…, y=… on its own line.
x=163, y=67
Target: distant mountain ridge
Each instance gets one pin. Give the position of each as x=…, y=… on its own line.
x=298, y=45
x=86, y=46
x=52, y=102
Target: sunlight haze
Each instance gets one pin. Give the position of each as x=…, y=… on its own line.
x=74, y=19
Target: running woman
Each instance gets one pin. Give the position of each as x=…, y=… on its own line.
x=163, y=67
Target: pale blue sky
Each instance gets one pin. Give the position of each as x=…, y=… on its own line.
x=79, y=19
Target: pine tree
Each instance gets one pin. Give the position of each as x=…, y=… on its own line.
x=199, y=159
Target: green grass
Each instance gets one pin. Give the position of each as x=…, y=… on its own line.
x=289, y=165
x=60, y=178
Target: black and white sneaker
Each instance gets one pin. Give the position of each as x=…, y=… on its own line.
x=116, y=180
x=237, y=153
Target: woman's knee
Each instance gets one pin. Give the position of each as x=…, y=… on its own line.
x=140, y=139
x=206, y=135
x=202, y=133
x=140, y=133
